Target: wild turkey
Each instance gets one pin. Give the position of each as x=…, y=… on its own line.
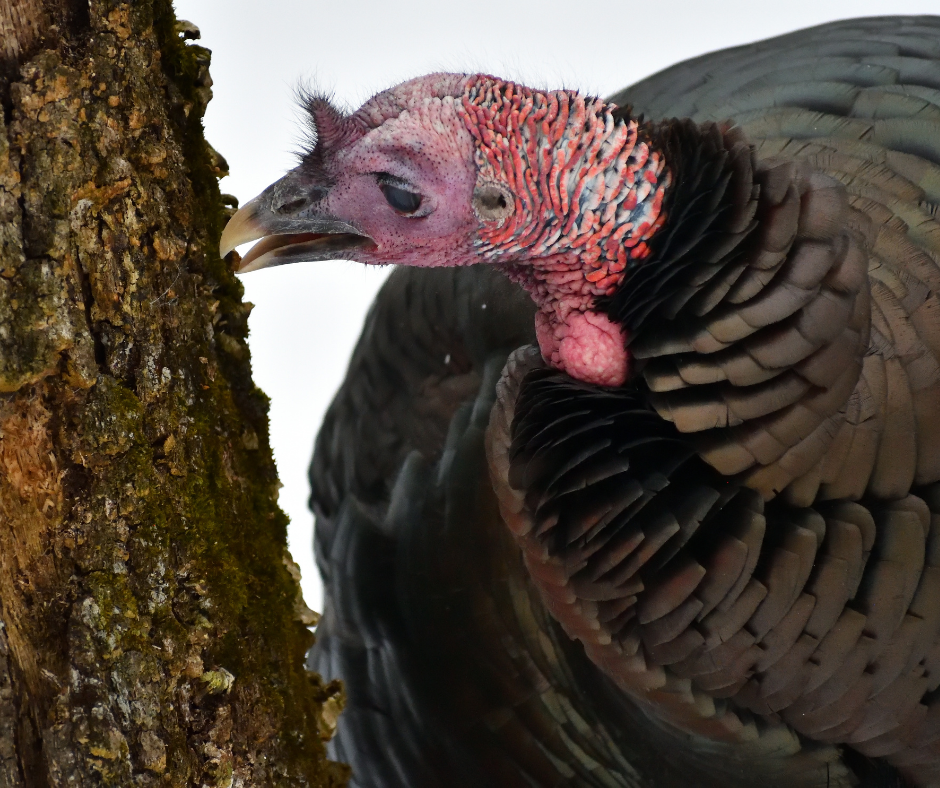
x=706, y=550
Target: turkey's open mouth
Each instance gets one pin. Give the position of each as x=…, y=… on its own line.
x=284, y=237
x=284, y=248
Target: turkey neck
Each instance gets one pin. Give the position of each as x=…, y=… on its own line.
x=616, y=220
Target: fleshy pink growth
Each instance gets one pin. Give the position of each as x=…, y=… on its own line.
x=332, y=128
x=588, y=346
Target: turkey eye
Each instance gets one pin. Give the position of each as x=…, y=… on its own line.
x=400, y=199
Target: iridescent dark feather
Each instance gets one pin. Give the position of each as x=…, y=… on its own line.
x=710, y=211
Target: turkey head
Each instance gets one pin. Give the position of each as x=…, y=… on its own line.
x=565, y=193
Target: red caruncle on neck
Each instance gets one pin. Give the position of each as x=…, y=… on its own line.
x=582, y=181
x=588, y=194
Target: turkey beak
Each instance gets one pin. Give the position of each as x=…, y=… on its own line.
x=290, y=228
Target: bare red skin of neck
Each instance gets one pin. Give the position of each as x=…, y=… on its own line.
x=588, y=194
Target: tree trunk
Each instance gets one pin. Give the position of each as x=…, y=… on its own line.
x=152, y=631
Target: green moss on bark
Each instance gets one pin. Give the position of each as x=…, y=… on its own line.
x=153, y=620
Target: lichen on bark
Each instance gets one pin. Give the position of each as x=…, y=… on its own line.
x=151, y=629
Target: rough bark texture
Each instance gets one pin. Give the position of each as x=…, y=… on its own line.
x=151, y=628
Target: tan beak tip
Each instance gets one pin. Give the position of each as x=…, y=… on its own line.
x=242, y=228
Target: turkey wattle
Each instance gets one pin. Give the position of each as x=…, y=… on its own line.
x=706, y=549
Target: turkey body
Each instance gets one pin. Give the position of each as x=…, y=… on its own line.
x=726, y=571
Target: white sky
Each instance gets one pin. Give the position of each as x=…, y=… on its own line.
x=307, y=317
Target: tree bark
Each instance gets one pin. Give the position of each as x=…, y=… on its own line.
x=152, y=631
